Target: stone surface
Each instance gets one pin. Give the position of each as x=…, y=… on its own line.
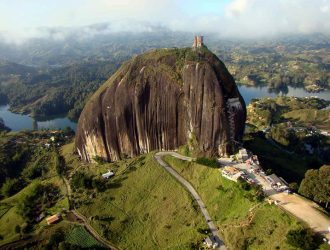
x=159, y=101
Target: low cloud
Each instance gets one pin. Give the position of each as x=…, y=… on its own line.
x=233, y=18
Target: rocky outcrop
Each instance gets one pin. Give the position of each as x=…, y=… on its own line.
x=159, y=101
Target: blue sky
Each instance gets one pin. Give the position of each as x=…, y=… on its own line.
x=21, y=19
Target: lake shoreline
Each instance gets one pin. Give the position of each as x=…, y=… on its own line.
x=18, y=121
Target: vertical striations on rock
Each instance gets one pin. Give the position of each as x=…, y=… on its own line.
x=161, y=100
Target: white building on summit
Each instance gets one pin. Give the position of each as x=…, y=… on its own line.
x=198, y=42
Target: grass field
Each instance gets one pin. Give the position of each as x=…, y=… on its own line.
x=4, y=209
x=243, y=222
x=8, y=222
x=144, y=208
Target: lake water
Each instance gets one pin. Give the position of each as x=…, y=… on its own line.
x=249, y=93
x=19, y=122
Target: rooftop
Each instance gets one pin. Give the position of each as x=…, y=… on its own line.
x=53, y=218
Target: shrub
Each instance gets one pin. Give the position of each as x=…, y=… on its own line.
x=81, y=180
x=294, y=186
x=244, y=185
x=12, y=186
x=59, y=164
x=99, y=185
x=302, y=239
x=55, y=239
x=269, y=171
x=17, y=229
x=210, y=162
x=41, y=197
x=100, y=160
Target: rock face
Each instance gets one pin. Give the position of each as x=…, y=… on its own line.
x=159, y=101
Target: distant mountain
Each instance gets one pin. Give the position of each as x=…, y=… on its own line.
x=75, y=47
x=67, y=66
x=53, y=91
x=10, y=68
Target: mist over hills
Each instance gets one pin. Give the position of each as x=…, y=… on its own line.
x=58, y=46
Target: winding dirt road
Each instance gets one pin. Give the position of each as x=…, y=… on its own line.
x=86, y=224
x=192, y=191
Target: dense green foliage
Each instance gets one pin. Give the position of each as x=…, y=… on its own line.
x=57, y=91
x=54, y=240
x=85, y=181
x=81, y=180
x=289, y=134
x=302, y=239
x=42, y=196
x=12, y=186
x=24, y=158
x=290, y=166
x=13, y=156
x=210, y=162
x=316, y=185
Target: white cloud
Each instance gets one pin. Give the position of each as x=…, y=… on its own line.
x=242, y=18
x=238, y=7
x=256, y=18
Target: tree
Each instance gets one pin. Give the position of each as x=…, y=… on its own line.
x=81, y=180
x=302, y=239
x=316, y=185
x=98, y=184
x=59, y=164
x=294, y=186
x=54, y=240
x=11, y=186
x=269, y=171
x=17, y=229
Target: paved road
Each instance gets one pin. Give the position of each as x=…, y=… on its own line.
x=212, y=227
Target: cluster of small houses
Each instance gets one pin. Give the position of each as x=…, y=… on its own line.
x=54, y=138
x=234, y=174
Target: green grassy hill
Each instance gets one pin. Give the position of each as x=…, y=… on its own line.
x=243, y=222
x=317, y=118
x=142, y=208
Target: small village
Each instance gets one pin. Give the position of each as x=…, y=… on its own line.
x=245, y=166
